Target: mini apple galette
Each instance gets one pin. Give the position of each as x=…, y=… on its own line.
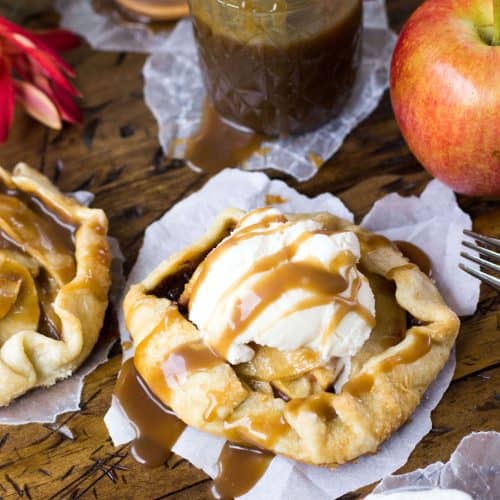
x=54, y=281
x=301, y=334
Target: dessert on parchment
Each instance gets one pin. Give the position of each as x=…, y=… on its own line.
x=54, y=281
x=301, y=334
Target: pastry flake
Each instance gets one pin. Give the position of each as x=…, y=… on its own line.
x=292, y=402
x=54, y=282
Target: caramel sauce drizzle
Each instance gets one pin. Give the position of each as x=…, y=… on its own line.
x=241, y=235
x=240, y=467
x=257, y=429
x=157, y=428
x=238, y=470
x=39, y=234
x=274, y=199
x=325, y=283
x=187, y=359
x=34, y=235
x=319, y=404
x=10, y=286
x=288, y=276
x=415, y=255
x=218, y=143
x=347, y=305
x=421, y=344
x=371, y=242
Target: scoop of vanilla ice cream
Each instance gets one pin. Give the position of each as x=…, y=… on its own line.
x=229, y=303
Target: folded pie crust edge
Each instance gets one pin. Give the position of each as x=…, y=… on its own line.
x=29, y=359
x=359, y=422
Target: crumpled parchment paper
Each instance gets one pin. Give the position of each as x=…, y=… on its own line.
x=187, y=221
x=106, y=29
x=174, y=89
x=45, y=404
x=474, y=467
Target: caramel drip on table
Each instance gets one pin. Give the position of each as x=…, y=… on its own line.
x=219, y=144
x=187, y=359
x=157, y=428
x=415, y=255
x=362, y=383
x=238, y=470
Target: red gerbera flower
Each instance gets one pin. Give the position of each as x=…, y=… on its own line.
x=32, y=72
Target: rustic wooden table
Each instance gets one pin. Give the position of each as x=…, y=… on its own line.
x=116, y=155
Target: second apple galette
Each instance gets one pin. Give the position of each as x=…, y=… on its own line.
x=54, y=281
x=301, y=334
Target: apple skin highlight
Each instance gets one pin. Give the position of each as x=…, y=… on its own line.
x=445, y=91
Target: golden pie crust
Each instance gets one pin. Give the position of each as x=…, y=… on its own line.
x=75, y=293
x=282, y=401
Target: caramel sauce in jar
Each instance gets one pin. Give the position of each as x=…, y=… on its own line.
x=278, y=67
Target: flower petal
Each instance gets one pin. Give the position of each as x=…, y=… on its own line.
x=44, y=60
x=68, y=108
x=6, y=100
x=22, y=65
x=8, y=29
x=64, y=102
x=59, y=39
x=37, y=104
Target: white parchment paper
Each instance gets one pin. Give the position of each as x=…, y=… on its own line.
x=45, y=404
x=109, y=30
x=187, y=220
x=474, y=467
x=174, y=89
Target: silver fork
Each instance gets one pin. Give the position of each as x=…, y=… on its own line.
x=490, y=265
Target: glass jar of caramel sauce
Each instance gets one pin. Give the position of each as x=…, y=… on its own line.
x=278, y=67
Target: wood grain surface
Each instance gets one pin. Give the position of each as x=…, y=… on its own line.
x=115, y=154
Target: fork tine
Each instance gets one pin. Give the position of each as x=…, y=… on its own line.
x=485, y=263
x=485, y=278
x=483, y=251
x=494, y=242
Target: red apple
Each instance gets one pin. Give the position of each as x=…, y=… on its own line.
x=445, y=91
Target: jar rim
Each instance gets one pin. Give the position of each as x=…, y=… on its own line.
x=292, y=6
